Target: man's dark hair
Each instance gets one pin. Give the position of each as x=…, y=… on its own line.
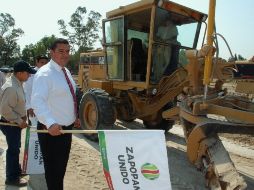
x=39, y=57
x=58, y=41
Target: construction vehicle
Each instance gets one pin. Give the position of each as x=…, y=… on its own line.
x=91, y=66
x=207, y=110
x=141, y=76
x=152, y=71
x=244, y=76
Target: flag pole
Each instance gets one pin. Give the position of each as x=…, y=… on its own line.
x=62, y=131
x=8, y=124
x=68, y=131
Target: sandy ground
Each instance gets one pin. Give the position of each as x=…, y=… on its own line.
x=85, y=168
x=3, y=148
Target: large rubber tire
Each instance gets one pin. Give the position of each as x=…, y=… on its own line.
x=96, y=111
x=79, y=95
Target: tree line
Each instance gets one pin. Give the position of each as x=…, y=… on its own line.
x=82, y=31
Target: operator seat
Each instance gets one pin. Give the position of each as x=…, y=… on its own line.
x=137, y=60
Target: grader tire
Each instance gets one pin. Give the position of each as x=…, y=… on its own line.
x=96, y=112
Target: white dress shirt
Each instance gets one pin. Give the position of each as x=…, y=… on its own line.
x=51, y=98
x=28, y=89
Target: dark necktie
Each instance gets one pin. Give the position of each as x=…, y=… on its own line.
x=72, y=92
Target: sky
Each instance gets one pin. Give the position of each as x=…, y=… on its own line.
x=234, y=18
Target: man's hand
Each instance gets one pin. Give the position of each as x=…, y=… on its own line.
x=77, y=123
x=54, y=130
x=23, y=125
x=30, y=112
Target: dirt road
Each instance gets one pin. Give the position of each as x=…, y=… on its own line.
x=85, y=168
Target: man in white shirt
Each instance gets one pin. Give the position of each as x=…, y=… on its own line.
x=55, y=106
x=40, y=61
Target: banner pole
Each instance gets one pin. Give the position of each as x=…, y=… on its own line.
x=85, y=131
x=9, y=124
x=68, y=131
x=46, y=131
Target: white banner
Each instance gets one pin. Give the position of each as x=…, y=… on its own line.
x=135, y=159
x=33, y=161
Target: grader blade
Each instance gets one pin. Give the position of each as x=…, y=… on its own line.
x=212, y=158
x=222, y=169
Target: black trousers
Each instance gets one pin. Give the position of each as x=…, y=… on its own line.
x=55, y=151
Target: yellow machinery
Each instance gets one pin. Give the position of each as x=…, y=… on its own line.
x=206, y=109
x=150, y=58
x=143, y=43
x=91, y=67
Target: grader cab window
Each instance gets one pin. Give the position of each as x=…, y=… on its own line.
x=97, y=60
x=173, y=33
x=126, y=45
x=114, y=43
x=84, y=59
x=138, y=26
x=92, y=59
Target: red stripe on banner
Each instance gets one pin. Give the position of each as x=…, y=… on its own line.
x=25, y=159
x=150, y=171
x=109, y=180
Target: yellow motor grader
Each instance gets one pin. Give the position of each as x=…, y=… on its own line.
x=141, y=75
x=149, y=69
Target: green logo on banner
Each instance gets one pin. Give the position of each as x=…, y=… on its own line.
x=150, y=171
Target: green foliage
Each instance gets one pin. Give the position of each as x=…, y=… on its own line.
x=73, y=64
x=30, y=51
x=9, y=49
x=84, y=29
x=238, y=58
x=27, y=53
x=241, y=58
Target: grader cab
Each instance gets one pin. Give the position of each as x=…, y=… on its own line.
x=144, y=45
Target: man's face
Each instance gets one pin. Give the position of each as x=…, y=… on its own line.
x=23, y=76
x=41, y=62
x=61, y=54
